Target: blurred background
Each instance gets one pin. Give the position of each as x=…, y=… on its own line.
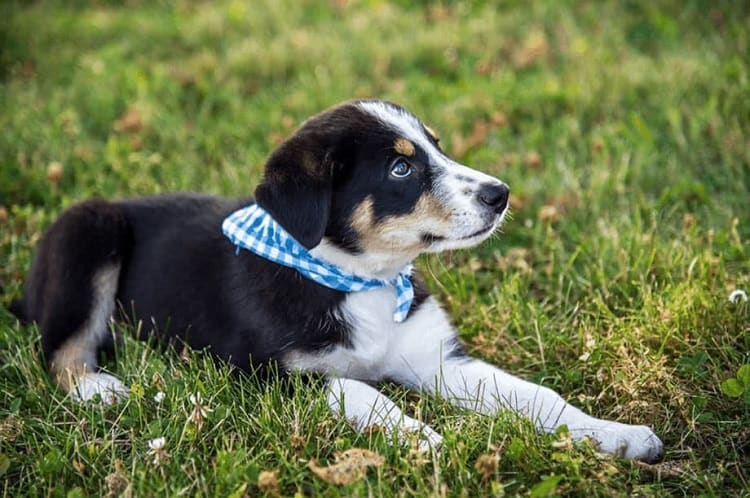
x=125, y=98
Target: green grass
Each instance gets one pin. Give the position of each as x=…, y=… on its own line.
x=623, y=129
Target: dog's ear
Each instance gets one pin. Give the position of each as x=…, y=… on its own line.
x=296, y=189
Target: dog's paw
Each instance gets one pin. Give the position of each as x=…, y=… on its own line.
x=636, y=442
x=109, y=388
x=422, y=436
x=429, y=440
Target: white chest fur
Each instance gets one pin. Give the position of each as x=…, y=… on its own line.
x=381, y=348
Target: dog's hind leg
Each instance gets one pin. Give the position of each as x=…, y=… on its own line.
x=74, y=363
x=71, y=295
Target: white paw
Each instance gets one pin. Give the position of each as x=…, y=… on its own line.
x=108, y=387
x=636, y=442
x=427, y=438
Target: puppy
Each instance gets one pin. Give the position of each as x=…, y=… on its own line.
x=312, y=275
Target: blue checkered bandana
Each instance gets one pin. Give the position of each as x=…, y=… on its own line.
x=252, y=228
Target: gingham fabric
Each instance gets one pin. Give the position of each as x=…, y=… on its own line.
x=252, y=228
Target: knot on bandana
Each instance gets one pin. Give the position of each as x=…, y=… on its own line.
x=252, y=228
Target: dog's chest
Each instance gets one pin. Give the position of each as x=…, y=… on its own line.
x=379, y=346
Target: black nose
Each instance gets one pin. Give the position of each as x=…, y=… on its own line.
x=494, y=195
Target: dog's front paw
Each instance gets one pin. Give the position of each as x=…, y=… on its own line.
x=109, y=388
x=636, y=442
x=421, y=435
x=429, y=440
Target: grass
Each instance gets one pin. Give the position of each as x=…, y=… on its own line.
x=622, y=127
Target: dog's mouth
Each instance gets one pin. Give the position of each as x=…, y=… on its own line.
x=431, y=238
x=436, y=243
x=479, y=232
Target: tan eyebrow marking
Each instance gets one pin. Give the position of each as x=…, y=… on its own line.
x=404, y=147
x=432, y=133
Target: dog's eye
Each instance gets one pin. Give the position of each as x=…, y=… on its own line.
x=401, y=169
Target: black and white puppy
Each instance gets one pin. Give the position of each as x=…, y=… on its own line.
x=363, y=186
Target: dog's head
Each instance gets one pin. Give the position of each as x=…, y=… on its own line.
x=367, y=186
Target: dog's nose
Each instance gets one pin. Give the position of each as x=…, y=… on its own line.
x=494, y=195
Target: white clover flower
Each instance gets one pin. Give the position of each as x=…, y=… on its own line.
x=156, y=449
x=159, y=397
x=157, y=444
x=200, y=411
x=737, y=296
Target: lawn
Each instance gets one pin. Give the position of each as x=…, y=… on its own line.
x=623, y=129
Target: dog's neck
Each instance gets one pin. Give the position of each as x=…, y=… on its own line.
x=370, y=265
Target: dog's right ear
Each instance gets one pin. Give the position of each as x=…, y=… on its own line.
x=296, y=189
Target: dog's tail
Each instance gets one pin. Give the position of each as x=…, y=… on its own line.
x=18, y=308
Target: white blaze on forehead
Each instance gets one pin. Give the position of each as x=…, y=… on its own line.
x=407, y=125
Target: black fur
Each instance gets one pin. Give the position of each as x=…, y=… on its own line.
x=87, y=237
x=184, y=280
x=186, y=275
x=18, y=309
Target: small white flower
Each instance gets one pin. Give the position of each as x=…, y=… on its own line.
x=157, y=444
x=159, y=397
x=157, y=451
x=200, y=411
x=738, y=295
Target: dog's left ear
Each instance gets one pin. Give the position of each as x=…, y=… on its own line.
x=296, y=189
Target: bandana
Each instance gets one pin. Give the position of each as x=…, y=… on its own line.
x=252, y=228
